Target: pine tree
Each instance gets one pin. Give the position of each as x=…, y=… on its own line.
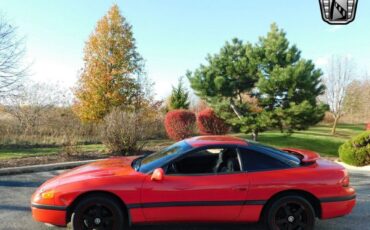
x=226, y=81
x=112, y=67
x=179, y=97
x=288, y=84
x=255, y=87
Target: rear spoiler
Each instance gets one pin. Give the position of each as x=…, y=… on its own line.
x=306, y=156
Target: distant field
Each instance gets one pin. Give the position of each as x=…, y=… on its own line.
x=317, y=138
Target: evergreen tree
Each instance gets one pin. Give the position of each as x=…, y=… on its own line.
x=112, y=68
x=288, y=85
x=227, y=79
x=179, y=97
x=254, y=87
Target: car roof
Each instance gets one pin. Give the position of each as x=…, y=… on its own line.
x=209, y=140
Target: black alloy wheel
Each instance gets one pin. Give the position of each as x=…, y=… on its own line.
x=98, y=213
x=290, y=213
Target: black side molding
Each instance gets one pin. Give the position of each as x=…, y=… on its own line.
x=336, y=199
x=197, y=203
x=49, y=207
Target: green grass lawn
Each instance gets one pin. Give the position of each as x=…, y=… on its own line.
x=6, y=153
x=317, y=138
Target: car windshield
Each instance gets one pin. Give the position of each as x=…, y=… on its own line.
x=157, y=159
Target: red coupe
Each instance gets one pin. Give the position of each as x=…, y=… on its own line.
x=201, y=179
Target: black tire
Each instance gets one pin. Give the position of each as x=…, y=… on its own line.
x=98, y=212
x=290, y=213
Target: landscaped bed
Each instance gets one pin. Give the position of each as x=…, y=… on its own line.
x=317, y=138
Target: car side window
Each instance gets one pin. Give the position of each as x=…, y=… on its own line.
x=257, y=161
x=206, y=161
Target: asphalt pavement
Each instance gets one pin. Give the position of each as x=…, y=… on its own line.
x=16, y=190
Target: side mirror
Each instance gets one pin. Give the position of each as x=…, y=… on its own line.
x=157, y=175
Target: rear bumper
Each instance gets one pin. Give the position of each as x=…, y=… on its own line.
x=336, y=207
x=55, y=215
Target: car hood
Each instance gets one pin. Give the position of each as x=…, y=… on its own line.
x=115, y=166
x=111, y=169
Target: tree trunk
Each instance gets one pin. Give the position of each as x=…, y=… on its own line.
x=254, y=135
x=235, y=109
x=333, y=129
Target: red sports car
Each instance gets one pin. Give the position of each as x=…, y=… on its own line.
x=201, y=179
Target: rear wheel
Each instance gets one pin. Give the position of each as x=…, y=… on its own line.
x=98, y=212
x=290, y=213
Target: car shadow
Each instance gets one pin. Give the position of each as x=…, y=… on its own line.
x=205, y=226
x=14, y=208
x=13, y=183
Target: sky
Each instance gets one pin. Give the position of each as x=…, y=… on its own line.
x=174, y=36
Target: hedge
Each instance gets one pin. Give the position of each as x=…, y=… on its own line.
x=356, y=151
x=179, y=124
x=209, y=124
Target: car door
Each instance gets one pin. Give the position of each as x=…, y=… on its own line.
x=195, y=197
x=266, y=172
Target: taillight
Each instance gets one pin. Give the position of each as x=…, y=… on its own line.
x=345, y=181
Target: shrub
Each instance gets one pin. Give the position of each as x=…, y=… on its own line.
x=208, y=123
x=328, y=118
x=55, y=126
x=357, y=150
x=122, y=131
x=155, y=119
x=179, y=124
x=155, y=129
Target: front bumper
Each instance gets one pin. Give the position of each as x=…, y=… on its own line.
x=55, y=215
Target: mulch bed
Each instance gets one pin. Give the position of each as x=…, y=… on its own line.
x=49, y=159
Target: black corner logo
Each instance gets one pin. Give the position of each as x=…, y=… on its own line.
x=338, y=12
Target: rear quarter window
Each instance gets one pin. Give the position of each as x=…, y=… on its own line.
x=257, y=161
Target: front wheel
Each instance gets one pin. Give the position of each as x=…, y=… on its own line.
x=290, y=213
x=98, y=212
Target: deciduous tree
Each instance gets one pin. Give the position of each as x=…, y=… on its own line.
x=338, y=75
x=356, y=99
x=112, y=69
x=12, y=67
x=32, y=103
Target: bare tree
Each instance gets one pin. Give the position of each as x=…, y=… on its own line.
x=356, y=103
x=338, y=76
x=12, y=68
x=33, y=102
